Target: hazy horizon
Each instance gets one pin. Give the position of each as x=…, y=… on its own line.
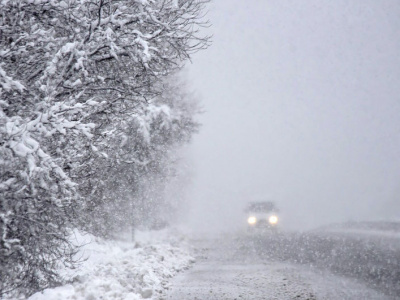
x=301, y=104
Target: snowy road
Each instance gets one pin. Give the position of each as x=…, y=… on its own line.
x=371, y=258
x=288, y=266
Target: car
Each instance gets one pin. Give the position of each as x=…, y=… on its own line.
x=262, y=215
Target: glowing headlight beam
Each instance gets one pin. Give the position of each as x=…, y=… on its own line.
x=252, y=220
x=273, y=220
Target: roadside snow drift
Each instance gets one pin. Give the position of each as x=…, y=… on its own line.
x=123, y=270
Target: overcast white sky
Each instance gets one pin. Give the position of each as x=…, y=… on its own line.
x=302, y=102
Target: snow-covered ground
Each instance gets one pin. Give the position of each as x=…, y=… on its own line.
x=122, y=269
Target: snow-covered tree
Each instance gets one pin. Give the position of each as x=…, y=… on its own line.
x=134, y=160
x=37, y=198
x=82, y=109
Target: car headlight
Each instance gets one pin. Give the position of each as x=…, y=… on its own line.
x=273, y=220
x=252, y=220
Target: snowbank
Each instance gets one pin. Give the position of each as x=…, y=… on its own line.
x=123, y=270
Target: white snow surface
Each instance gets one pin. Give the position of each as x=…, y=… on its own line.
x=123, y=270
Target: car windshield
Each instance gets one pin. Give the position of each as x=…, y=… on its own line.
x=261, y=207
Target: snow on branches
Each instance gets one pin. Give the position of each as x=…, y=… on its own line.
x=86, y=108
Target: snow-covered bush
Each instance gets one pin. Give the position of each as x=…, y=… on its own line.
x=134, y=162
x=87, y=120
x=37, y=199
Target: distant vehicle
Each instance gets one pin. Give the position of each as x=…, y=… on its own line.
x=262, y=215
